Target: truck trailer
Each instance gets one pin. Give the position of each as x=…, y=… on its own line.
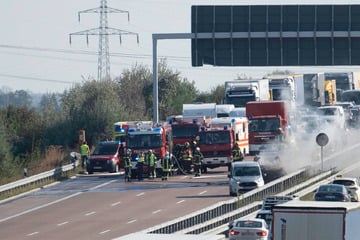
x=316, y=220
x=208, y=110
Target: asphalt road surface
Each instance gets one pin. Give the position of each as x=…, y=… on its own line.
x=104, y=206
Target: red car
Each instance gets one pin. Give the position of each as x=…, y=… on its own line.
x=105, y=158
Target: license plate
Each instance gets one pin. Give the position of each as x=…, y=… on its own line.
x=97, y=167
x=330, y=197
x=246, y=233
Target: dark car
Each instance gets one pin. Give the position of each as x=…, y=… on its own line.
x=105, y=158
x=332, y=192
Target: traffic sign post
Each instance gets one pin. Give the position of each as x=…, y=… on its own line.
x=322, y=139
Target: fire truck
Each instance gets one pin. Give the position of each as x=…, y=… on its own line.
x=146, y=136
x=185, y=129
x=268, y=120
x=121, y=128
x=216, y=142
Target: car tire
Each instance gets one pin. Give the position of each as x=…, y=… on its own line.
x=90, y=170
x=232, y=194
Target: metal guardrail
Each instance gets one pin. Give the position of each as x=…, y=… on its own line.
x=208, y=219
x=37, y=180
x=226, y=211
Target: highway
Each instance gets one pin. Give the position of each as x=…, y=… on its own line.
x=104, y=206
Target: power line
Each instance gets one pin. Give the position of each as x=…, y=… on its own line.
x=35, y=79
x=103, y=31
x=81, y=52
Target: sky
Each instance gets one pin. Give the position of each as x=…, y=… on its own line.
x=36, y=54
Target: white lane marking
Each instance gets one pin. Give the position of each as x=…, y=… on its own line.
x=52, y=203
x=140, y=194
x=132, y=221
x=32, y=234
x=90, y=213
x=184, y=177
x=114, y=204
x=157, y=211
x=181, y=201
x=201, y=193
x=63, y=223
x=103, y=232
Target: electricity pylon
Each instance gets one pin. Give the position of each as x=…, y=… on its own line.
x=103, y=31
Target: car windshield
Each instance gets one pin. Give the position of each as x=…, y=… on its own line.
x=183, y=131
x=246, y=171
x=266, y=216
x=264, y=125
x=344, y=182
x=209, y=138
x=330, y=188
x=105, y=150
x=142, y=141
x=249, y=224
x=327, y=111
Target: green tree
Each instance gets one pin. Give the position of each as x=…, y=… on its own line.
x=137, y=84
x=94, y=107
x=5, y=154
x=132, y=84
x=216, y=95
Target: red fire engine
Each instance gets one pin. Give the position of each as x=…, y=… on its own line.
x=185, y=129
x=216, y=142
x=145, y=137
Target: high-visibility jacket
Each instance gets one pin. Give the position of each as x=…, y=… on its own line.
x=186, y=155
x=127, y=161
x=84, y=149
x=237, y=154
x=165, y=164
x=198, y=157
x=141, y=159
x=152, y=159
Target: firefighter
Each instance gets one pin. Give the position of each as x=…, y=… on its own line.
x=197, y=161
x=193, y=145
x=151, y=163
x=140, y=166
x=186, y=157
x=127, y=164
x=237, y=155
x=166, y=166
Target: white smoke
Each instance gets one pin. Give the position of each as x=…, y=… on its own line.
x=301, y=149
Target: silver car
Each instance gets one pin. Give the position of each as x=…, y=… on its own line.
x=244, y=176
x=249, y=229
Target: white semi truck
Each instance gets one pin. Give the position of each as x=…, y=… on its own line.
x=311, y=220
x=239, y=92
x=282, y=87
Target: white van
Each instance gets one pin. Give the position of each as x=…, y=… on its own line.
x=244, y=176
